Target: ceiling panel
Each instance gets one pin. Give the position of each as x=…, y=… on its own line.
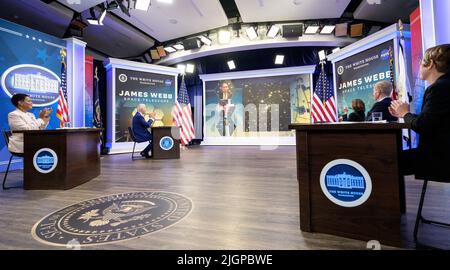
x=80, y=5
x=181, y=18
x=52, y=19
x=289, y=10
x=116, y=38
x=387, y=11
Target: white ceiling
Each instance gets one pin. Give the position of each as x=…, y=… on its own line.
x=80, y=5
x=387, y=11
x=289, y=10
x=182, y=18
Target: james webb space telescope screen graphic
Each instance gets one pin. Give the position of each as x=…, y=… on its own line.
x=256, y=106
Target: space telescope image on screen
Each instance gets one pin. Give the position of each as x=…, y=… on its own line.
x=256, y=106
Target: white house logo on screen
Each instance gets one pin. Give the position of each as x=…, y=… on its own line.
x=345, y=182
x=45, y=160
x=123, y=78
x=340, y=70
x=166, y=143
x=40, y=83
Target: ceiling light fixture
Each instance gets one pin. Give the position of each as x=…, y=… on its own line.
x=251, y=33
x=190, y=68
x=179, y=47
x=327, y=29
x=181, y=68
x=142, y=4
x=322, y=55
x=93, y=20
x=170, y=49
x=205, y=40
x=224, y=36
x=273, y=31
x=231, y=65
x=312, y=29
x=279, y=59
x=336, y=50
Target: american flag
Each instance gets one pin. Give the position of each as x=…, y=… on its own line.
x=182, y=115
x=62, y=113
x=323, y=103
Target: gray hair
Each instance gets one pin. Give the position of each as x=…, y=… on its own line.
x=385, y=87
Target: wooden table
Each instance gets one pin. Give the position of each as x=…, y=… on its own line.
x=61, y=158
x=376, y=147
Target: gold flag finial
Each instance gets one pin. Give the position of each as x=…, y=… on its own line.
x=400, y=25
x=96, y=73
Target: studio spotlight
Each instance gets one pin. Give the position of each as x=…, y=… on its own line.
x=205, y=40
x=312, y=29
x=179, y=47
x=322, y=55
x=190, y=68
x=181, y=68
x=224, y=36
x=279, y=59
x=251, y=33
x=142, y=4
x=93, y=20
x=170, y=49
x=273, y=31
x=231, y=65
x=327, y=29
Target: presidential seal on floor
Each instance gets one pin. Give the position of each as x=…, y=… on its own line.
x=112, y=218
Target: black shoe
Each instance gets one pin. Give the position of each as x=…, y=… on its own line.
x=143, y=154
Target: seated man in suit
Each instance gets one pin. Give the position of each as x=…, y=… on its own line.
x=382, y=94
x=20, y=119
x=141, y=128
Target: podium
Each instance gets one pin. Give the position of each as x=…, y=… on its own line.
x=166, y=142
x=61, y=158
x=349, y=180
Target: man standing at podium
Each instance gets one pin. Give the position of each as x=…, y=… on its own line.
x=141, y=128
x=20, y=119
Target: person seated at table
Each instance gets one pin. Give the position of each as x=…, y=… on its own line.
x=20, y=119
x=432, y=158
x=359, y=111
x=141, y=127
x=382, y=94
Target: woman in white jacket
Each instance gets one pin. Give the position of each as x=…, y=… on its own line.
x=20, y=119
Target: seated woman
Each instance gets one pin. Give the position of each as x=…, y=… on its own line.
x=20, y=119
x=358, y=114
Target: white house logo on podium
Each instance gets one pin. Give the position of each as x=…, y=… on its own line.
x=166, y=143
x=40, y=83
x=345, y=183
x=112, y=218
x=45, y=160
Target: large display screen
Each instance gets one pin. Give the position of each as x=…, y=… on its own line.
x=30, y=63
x=356, y=75
x=256, y=106
x=157, y=91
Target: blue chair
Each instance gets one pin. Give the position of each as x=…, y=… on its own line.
x=6, y=135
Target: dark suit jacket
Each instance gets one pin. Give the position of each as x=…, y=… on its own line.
x=356, y=117
x=433, y=127
x=383, y=107
x=140, y=128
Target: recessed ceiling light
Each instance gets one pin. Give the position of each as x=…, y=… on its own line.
x=181, y=68
x=322, y=55
x=279, y=59
x=231, y=64
x=327, y=29
x=273, y=31
x=206, y=40
x=251, y=33
x=224, y=37
x=336, y=49
x=312, y=29
x=179, y=47
x=190, y=68
x=170, y=49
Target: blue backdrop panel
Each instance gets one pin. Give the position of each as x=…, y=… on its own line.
x=30, y=62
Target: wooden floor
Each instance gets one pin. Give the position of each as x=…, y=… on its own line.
x=244, y=198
